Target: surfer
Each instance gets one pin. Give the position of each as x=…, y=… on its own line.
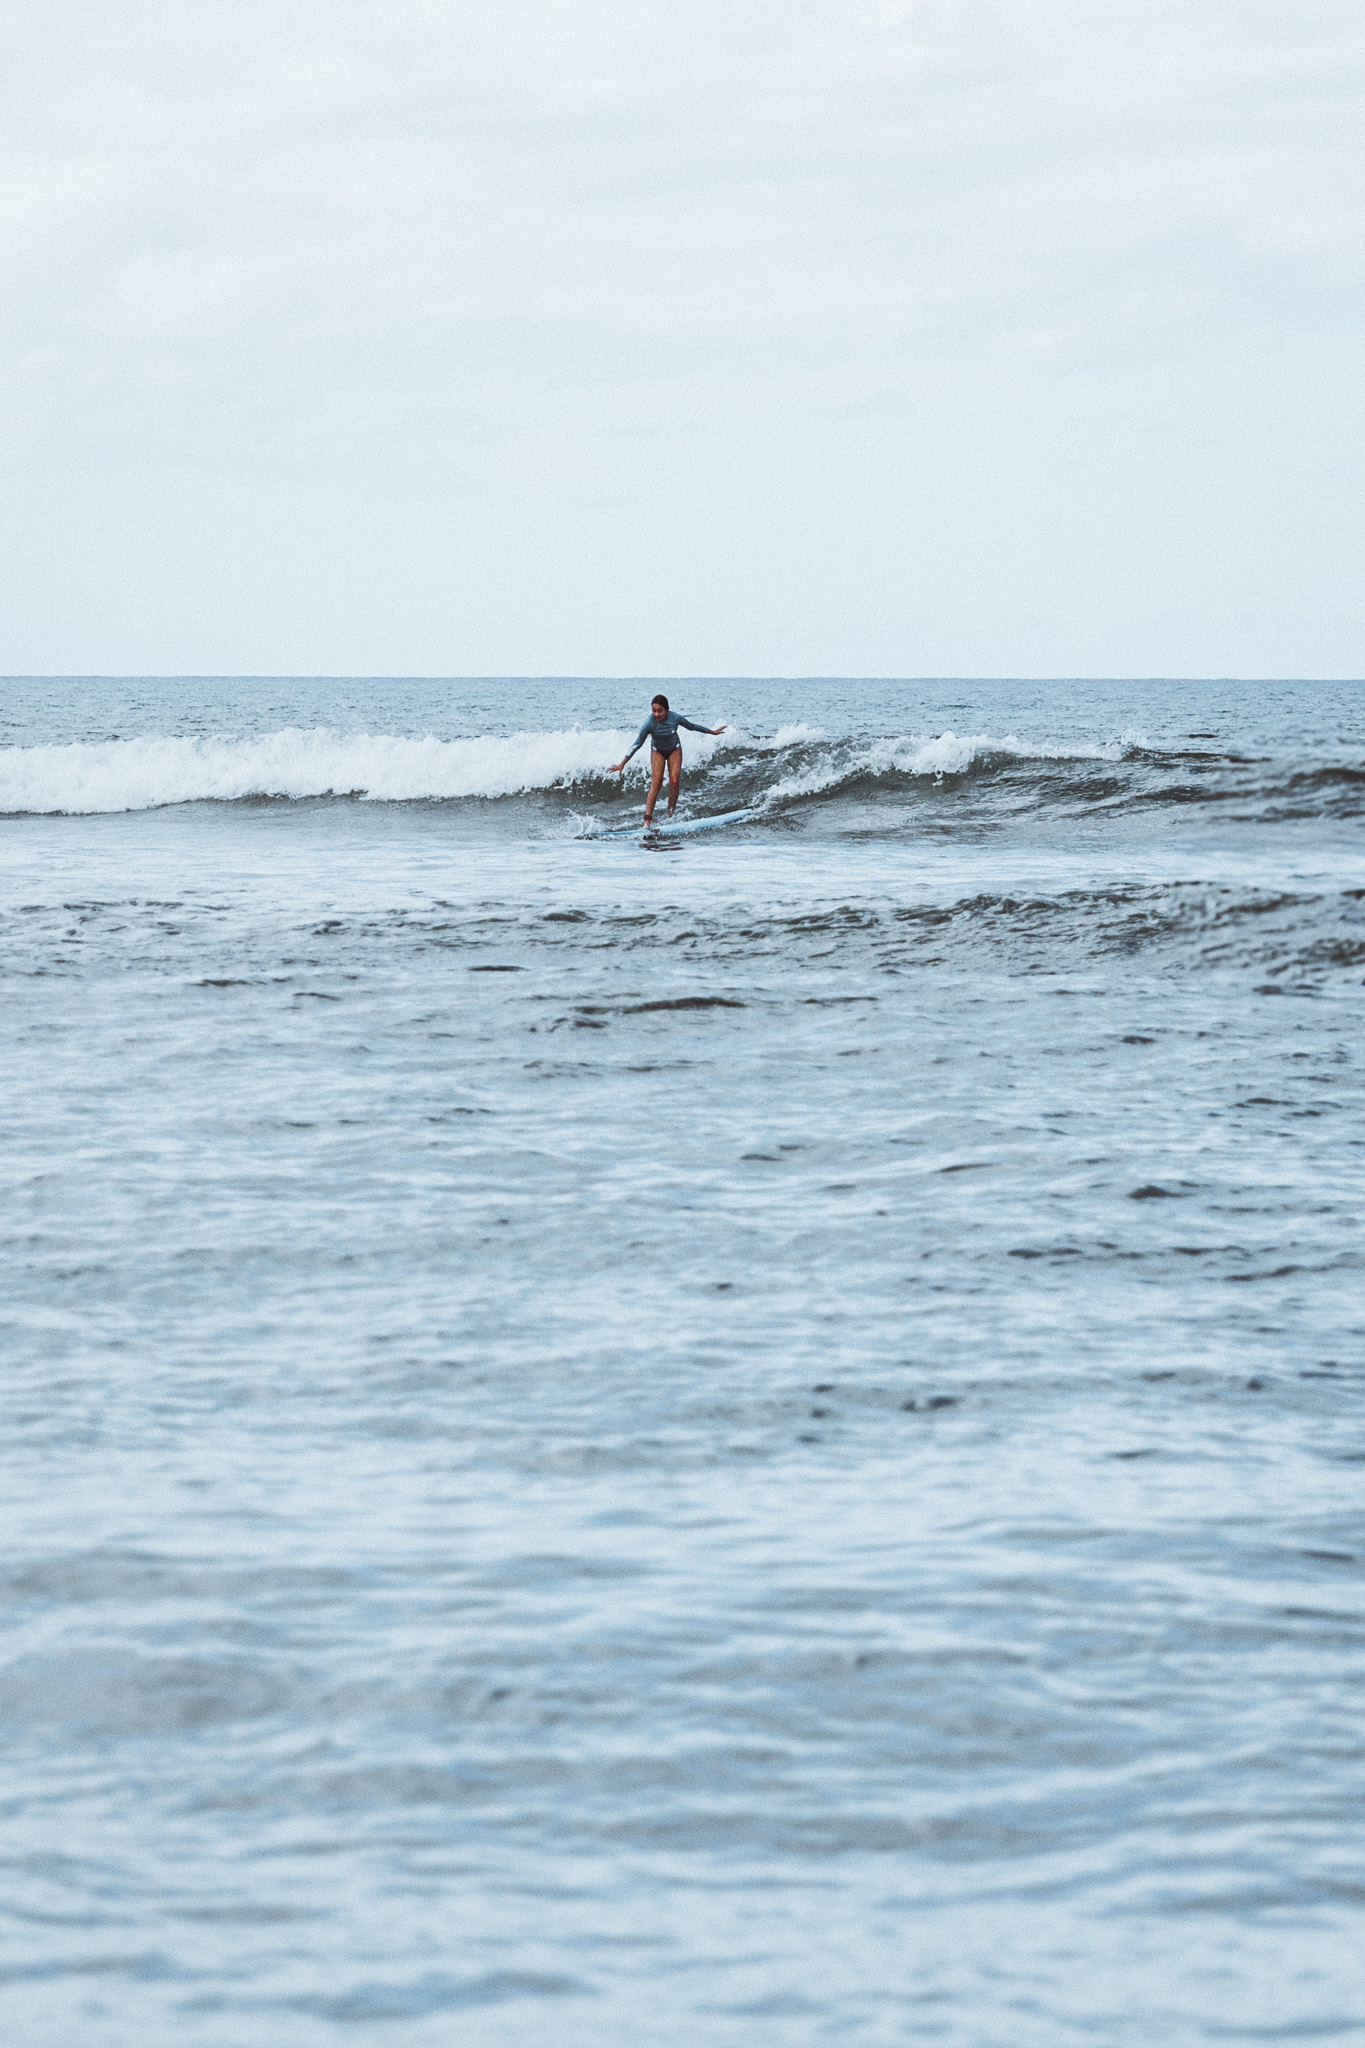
x=661, y=727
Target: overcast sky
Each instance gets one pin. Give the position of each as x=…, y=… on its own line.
x=640, y=337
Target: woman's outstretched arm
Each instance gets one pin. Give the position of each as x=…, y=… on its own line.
x=619, y=767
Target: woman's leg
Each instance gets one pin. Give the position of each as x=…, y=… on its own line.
x=656, y=776
x=674, y=777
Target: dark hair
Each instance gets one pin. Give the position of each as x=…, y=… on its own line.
x=658, y=698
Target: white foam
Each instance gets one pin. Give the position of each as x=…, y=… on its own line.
x=945, y=754
x=142, y=774
x=795, y=736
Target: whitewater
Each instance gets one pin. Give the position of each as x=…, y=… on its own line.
x=754, y=1438
x=142, y=774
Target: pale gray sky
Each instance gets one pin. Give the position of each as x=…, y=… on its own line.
x=375, y=336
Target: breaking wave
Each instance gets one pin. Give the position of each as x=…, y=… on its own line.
x=796, y=769
x=144, y=774
x=827, y=770
x=797, y=762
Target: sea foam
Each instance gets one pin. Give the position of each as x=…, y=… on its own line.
x=945, y=754
x=142, y=774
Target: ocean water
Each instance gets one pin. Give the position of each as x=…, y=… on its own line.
x=747, y=1440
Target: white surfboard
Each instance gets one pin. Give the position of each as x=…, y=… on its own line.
x=678, y=827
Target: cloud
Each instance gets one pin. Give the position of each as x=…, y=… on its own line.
x=658, y=267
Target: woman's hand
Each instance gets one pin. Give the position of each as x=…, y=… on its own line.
x=619, y=769
x=716, y=731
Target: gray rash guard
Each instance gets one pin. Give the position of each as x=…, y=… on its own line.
x=664, y=732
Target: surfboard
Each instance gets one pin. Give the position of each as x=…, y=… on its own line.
x=679, y=828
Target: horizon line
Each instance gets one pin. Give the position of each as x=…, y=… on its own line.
x=640, y=676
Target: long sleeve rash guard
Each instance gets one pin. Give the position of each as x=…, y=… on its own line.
x=664, y=732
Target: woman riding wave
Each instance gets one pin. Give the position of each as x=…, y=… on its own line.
x=661, y=729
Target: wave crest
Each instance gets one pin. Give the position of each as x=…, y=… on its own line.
x=145, y=774
x=795, y=765
x=919, y=759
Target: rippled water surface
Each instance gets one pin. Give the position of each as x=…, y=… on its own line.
x=745, y=1439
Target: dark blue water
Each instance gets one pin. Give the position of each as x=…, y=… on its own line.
x=757, y=1439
